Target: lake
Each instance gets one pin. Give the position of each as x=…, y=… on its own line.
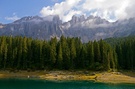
x=43, y=84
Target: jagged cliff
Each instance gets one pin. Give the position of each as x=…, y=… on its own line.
x=90, y=28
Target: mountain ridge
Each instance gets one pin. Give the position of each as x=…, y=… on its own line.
x=87, y=28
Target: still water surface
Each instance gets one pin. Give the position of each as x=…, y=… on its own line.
x=43, y=84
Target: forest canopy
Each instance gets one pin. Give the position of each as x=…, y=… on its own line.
x=21, y=53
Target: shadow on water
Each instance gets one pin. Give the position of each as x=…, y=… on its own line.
x=43, y=84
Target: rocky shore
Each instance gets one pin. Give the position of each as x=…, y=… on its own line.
x=105, y=77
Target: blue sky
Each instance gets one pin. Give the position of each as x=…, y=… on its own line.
x=21, y=8
x=111, y=10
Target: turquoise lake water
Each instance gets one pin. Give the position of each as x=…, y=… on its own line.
x=43, y=84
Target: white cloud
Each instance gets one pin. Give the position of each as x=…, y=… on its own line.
x=64, y=9
x=107, y=9
x=12, y=18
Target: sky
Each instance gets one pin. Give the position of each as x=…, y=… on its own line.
x=111, y=10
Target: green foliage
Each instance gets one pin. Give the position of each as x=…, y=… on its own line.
x=125, y=49
x=23, y=53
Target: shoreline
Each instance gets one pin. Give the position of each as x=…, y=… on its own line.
x=103, y=77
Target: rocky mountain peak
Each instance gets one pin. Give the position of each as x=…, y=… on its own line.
x=29, y=19
x=90, y=28
x=97, y=20
x=75, y=19
x=1, y=25
x=90, y=17
x=82, y=18
x=56, y=19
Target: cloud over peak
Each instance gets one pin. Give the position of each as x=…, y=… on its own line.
x=65, y=9
x=111, y=10
x=12, y=18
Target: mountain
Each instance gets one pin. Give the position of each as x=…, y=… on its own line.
x=90, y=28
x=1, y=25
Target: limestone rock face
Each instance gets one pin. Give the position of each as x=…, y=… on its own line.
x=87, y=28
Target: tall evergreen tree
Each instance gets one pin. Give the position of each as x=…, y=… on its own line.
x=72, y=53
x=59, y=60
x=24, y=53
x=53, y=54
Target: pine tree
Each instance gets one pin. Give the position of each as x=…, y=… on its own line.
x=72, y=54
x=53, y=54
x=19, y=53
x=5, y=55
x=24, y=53
x=97, y=55
x=59, y=60
x=40, y=56
x=29, y=56
x=90, y=55
x=65, y=53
